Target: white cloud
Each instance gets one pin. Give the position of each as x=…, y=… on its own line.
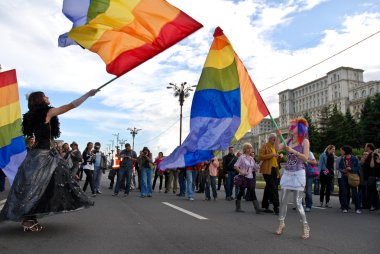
x=140, y=97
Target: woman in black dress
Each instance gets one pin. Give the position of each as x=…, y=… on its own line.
x=43, y=184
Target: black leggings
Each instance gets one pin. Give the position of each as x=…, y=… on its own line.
x=89, y=180
x=326, y=181
x=251, y=191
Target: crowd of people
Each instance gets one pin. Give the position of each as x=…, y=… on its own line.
x=357, y=177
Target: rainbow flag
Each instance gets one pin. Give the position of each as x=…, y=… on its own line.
x=126, y=33
x=225, y=106
x=12, y=144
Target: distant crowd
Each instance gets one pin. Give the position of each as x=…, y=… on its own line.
x=128, y=171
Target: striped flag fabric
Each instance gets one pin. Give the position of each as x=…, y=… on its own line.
x=225, y=106
x=126, y=33
x=12, y=144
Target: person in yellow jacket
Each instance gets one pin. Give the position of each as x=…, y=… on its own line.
x=270, y=170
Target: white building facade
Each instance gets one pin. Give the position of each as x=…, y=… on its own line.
x=343, y=87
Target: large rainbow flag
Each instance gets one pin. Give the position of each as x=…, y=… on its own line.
x=12, y=144
x=225, y=106
x=126, y=33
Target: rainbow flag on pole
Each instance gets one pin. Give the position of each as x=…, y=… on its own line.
x=225, y=106
x=12, y=144
x=126, y=33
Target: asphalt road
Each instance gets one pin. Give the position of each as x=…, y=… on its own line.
x=152, y=225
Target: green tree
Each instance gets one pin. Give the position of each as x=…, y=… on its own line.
x=370, y=121
x=322, y=128
x=367, y=122
x=335, y=125
x=314, y=136
x=351, y=130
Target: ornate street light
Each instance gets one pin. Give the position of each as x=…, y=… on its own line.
x=181, y=91
x=133, y=132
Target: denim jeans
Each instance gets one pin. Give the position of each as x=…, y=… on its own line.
x=230, y=183
x=309, y=192
x=189, y=183
x=124, y=173
x=211, y=181
x=345, y=190
x=146, y=182
x=97, y=177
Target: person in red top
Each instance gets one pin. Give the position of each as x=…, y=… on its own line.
x=158, y=172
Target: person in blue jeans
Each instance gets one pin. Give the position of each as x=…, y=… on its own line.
x=309, y=182
x=2, y=180
x=181, y=182
x=128, y=158
x=229, y=161
x=100, y=165
x=349, y=164
x=190, y=172
x=146, y=173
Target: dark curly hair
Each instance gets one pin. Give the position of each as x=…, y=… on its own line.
x=36, y=115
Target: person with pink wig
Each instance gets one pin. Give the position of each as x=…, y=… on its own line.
x=293, y=179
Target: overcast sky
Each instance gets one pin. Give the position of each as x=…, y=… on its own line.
x=275, y=39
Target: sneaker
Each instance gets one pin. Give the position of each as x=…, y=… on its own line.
x=149, y=196
x=345, y=211
x=321, y=205
x=125, y=195
x=328, y=205
x=93, y=195
x=307, y=209
x=372, y=209
x=115, y=194
x=191, y=199
x=98, y=192
x=358, y=211
x=215, y=199
x=207, y=199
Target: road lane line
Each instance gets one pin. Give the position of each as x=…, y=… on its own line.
x=185, y=211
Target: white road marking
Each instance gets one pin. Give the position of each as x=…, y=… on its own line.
x=185, y=211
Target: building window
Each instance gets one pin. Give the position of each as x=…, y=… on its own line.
x=356, y=95
x=371, y=91
x=364, y=93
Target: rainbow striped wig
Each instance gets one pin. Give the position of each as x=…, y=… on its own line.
x=303, y=128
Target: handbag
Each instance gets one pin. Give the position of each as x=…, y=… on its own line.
x=311, y=170
x=353, y=179
x=239, y=181
x=111, y=174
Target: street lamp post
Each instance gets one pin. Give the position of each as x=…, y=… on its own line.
x=117, y=140
x=181, y=91
x=133, y=132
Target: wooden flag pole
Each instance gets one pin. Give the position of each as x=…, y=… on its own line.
x=100, y=87
x=275, y=125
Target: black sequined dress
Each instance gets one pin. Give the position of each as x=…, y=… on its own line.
x=43, y=184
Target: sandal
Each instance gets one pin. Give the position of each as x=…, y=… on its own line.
x=281, y=228
x=306, y=232
x=31, y=225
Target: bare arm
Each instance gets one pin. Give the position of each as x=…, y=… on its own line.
x=63, y=109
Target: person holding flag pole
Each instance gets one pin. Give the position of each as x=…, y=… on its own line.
x=293, y=180
x=43, y=184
